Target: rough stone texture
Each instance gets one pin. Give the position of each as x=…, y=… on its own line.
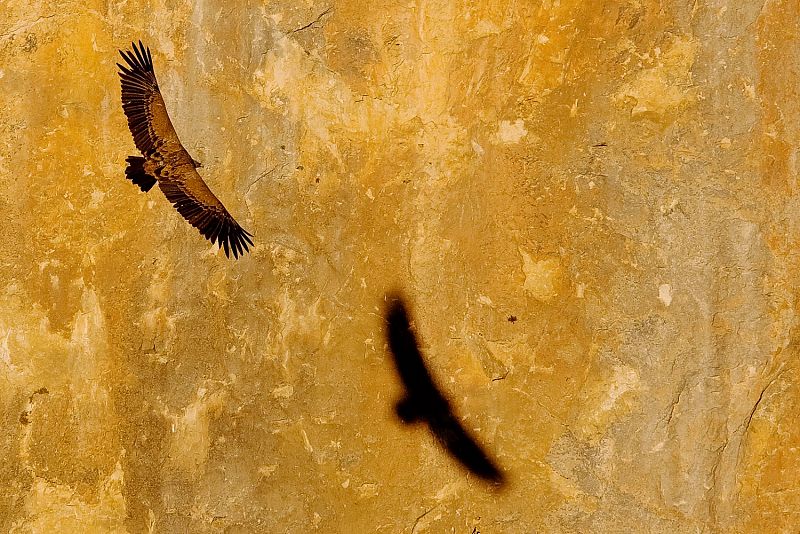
x=621, y=176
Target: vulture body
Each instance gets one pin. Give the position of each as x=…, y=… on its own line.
x=165, y=161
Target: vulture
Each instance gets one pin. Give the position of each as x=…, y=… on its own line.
x=165, y=161
x=424, y=403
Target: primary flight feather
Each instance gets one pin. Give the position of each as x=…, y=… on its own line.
x=165, y=161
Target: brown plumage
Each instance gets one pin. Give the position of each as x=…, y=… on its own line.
x=165, y=160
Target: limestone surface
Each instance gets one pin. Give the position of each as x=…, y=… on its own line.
x=592, y=207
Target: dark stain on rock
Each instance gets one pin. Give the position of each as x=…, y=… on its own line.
x=25, y=416
x=31, y=44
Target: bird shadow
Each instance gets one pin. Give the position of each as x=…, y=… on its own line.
x=423, y=403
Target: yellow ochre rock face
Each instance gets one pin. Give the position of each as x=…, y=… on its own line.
x=590, y=206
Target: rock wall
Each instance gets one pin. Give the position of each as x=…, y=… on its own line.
x=592, y=207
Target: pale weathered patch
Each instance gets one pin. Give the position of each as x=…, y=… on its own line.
x=666, y=87
x=543, y=277
x=511, y=132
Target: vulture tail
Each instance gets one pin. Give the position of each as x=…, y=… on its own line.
x=135, y=173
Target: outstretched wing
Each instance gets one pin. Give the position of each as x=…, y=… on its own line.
x=144, y=107
x=198, y=205
x=156, y=139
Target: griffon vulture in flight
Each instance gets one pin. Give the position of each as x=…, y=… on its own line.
x=423, y=403
x=166, y=161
